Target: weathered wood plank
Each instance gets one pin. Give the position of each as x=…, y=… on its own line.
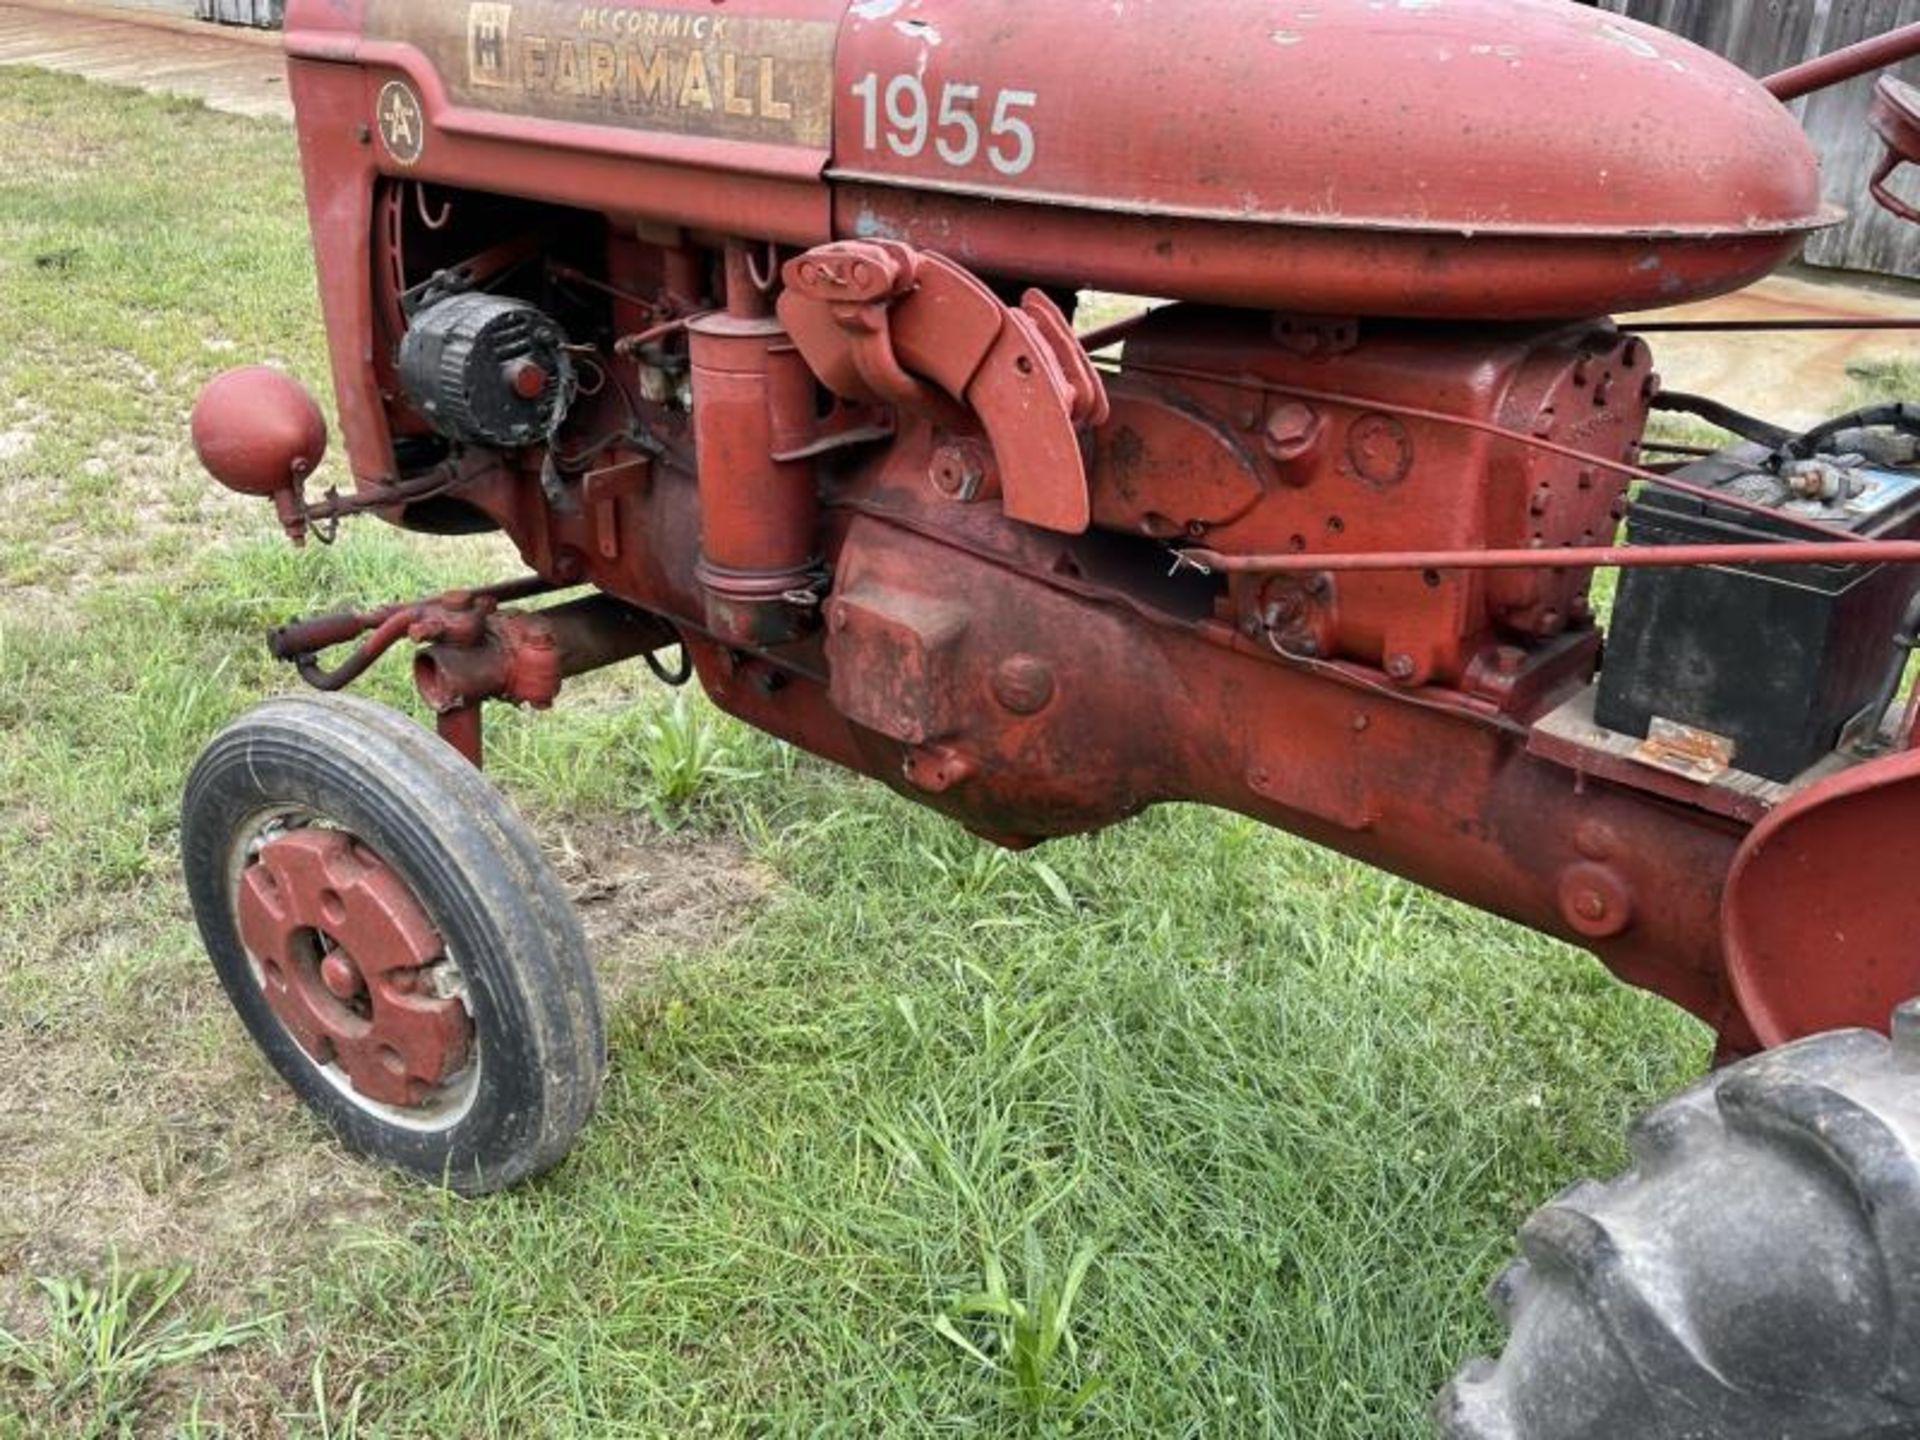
x=1871, y=239
x=1762, y=36
x=265, y=14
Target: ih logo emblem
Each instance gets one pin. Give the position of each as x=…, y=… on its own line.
x=403, y=125
x=487, y=44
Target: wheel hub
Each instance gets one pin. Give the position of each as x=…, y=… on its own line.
x=346, y=959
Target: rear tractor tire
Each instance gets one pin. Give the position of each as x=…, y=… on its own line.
x=1754, y=1276
x=394, y=941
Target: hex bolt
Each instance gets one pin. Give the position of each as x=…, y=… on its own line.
x=1402, y=668
x=1292, y=430
x=954, y=474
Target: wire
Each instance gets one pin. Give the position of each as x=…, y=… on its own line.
x=1485, y=427
x=420, y=204
x=675, y=677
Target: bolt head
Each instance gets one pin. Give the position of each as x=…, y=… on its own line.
x=1291, y=430
x=1024, y=684
x=340, y=976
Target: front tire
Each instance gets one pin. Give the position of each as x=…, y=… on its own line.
x=1754, y=1276
x=394, y=941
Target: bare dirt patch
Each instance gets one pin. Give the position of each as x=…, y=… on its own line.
x=19, y=427
x=644, y=894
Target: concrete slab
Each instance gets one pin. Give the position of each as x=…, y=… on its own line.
x=1795, y=378
x=231, y=69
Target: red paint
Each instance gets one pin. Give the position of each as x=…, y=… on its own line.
x=1896, y=120
x=258, y=432
x=344, y=952
x=1854, y=61
x=850, y=452
x=1459, y=160
x=757, y=513
x=886, y=324
x=1819, y=912
x=1620, y=557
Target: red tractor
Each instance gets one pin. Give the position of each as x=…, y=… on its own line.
x=752, y=322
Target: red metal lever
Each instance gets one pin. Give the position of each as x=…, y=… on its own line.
x=881, y=322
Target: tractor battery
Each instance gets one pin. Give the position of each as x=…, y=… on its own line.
x=1777, y=660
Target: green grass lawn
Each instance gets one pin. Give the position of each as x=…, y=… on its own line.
x=1188, y=1129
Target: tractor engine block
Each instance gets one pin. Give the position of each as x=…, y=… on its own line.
x=1349, y=437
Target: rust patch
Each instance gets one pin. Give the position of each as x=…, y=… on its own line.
x=685, y=71
x=1681, y=750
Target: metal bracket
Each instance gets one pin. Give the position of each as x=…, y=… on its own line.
x=883, y=323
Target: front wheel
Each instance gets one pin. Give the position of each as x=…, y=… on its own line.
x=394, y=941
x=1754, y=1276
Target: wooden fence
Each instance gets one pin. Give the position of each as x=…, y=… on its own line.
x=1763, y=36
x=266, y=14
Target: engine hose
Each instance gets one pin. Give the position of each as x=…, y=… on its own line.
x=1786, y=445
x=1725, y=417
x=1895, y=415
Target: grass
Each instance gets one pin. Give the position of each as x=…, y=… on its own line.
x=1186, y=1129
x=1881, y=378
x=104, y=1342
